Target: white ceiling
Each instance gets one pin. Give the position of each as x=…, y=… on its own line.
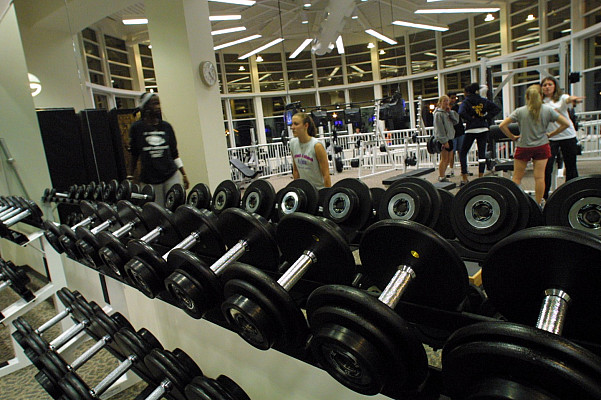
x=282, y=18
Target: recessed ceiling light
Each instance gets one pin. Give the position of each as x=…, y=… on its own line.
x=135, y=21
x=224, y=17
x=235, y=42
x=266, y=46
x=456, y=10
x=228, y=30
x=421, y=26
x=380, y=36
x=238, y=2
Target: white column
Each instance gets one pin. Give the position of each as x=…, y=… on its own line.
x=180, y=33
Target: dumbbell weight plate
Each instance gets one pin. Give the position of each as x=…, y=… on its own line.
x=199, y=196
x=487, y=210
x=577, y=204
x=231, y=388
x=89, y=191
x=443, y=225
x=411, y=199
x=155, y=215
x=97, y=195
x=259, y=197
x=504, y=360
x=201, y=389
x=164, y=365
x=175, y=197
x=110, y=191
x=349, y=204
x=52, y=233
x=17, y=276
x=148, y=191
x=515, y=276
x=298, y=196
x=226, y=195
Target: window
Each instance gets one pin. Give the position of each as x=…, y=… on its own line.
x=329, y=69
x=271, y=76
x=358, y=63
x=558, y=19
x=524, y=24
x=392, y=58
x=488, y=36
x=455, y=44
x=150, y=81
x=118, y=62
x=93, y=57
x=300, y=71
x=237, y=74
x=423, y=51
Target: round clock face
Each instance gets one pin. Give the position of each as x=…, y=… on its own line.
x=208, y=73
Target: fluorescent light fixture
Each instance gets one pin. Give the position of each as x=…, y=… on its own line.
x=307, y=4
x=239, y=79
x=456, y=10
x=527, y=39
x=135, y=21
x=340, y=45
x=300, y=48
x=308, y=76
x=228, y=30
x=534, y=28
x=235, y=42
x=421, y=26
x=264, y=77
x=260, y=49
x=430, y=54
x=567, y=30
x=357, y=69
x=238, y=2
x=489, y=17
x=304, y=22
x=334, y=71
x=457, y=50
x=355, y=17
x=380, y=36
x=224, y=17
x=370, y=45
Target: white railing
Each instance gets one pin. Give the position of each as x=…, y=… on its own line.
x=274, y=158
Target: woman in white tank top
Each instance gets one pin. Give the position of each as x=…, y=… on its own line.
x=309, y=158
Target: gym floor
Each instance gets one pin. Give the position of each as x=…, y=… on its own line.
x=22, y=385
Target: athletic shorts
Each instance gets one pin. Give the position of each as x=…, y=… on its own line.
x=533, y=153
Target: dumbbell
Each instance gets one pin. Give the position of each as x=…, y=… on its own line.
x=359, y=339
x=298, y=196
x=349, y=204
x=175, y=197
x=98, y=190
x=261, y=309
x=222, y=388
x=110, y=191
x=173, y=370
x=53, y=232
x=411, y=199
x=196, y=286
x=80, y=192
x=148, y=267
x=88, y=244
x=13, y=206
x=23, y=329
x=199, y=196
x=125, y=191
x=53, y=195
x=259, y=197
x=54, y=366
x=133, y=345
x=30, y=213
x=89, y=191
x=100, y=212
x=16, y=278
x=557, y=268
x=226, y=195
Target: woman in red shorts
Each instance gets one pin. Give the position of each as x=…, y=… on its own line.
x=533, y=141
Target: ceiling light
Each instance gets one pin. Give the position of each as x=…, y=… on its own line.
x=527, y=39
x=456, y=10
x=370, y=45
x=334, y=71
x=264, y=77
x=34, y=84
x=259, y=58
x=265, y=46
x=304, y=22
x=357, y=69
x=239, y=79
x=235, y=42
x=300, y=48
x=307, y=4
x=489, y=17
x=238, y=2
x=228, y=30
x=530, y=17
x=421, y=26
x=380, y=36
x=224, y=17
x=430, y=54
x=382, y=52
x=242, y=68
x=340, y=45
x=150, y=46
x=135, y=21
x=534, y=28
x=457, y=50
x=566, y=30
x=355, y=17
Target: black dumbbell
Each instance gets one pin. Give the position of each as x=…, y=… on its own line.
x=125, y=191
x=173, y=370
x=259, y=197
x=532, y=277
x=349, y=204
x=13, y=206
x=148, y=268
x=196, y=286
x=222, y=388
x=110, y=191
x=93, y=214
x=134, y=345
x=260, y=309
x=79, y=193
x=165, y=231
x=24, y=329
x=93, y=240
x=199, y=196
x=405, y=260
x=175, y=197
x=226, y=195
x=298, y=196
x=30, y=213
x=89, y=191
x=98, y=190
x=53, y=195
x=16, y=278
x=54, y=366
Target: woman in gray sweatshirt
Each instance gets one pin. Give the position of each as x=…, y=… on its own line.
x=444, y=132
